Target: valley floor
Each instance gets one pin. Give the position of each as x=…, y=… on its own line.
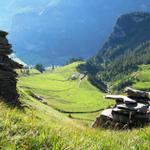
x=63, y=123
x=75, y=98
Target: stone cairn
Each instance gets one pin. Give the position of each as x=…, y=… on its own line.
x=8, y=76
x=130, y=111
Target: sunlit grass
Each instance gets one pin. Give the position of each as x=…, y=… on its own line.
x=34, y=128
x=65, y=94
x=39, y=126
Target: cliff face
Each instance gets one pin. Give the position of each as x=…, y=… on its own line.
x=130, y=31
x=8, y=76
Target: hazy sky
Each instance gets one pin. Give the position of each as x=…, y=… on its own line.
x=65, y=24
x=8, y=8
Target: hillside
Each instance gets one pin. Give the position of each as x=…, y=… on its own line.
x=138, y=80
x=42, y=126
x=142, y=78
x=66, y=95
x=127, y=47
x=61, y=102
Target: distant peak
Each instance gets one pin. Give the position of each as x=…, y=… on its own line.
x=129, y=26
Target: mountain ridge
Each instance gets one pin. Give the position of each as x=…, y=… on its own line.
x=122, y=54
x=60, y=33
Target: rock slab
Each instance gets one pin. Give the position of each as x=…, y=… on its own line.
x=132, y=110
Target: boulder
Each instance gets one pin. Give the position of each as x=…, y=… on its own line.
x=101, y=120
x=141, y=108
x=75, y=76
x=121, y=98
x=136, y=93
x=130, y=111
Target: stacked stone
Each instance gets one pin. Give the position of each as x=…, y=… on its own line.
x=8, y=76
x=130, y=111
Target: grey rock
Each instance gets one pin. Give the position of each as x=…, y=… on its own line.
x=121, y=98
x=131, y=110
x=142, y=108
x=8, y=76
x=136, y=93
x=75, y=76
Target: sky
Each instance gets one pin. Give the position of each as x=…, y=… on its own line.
x=11, y=7
x=65, y=24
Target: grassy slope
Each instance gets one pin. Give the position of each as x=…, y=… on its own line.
x=143, y=78
x=65, y=94
x=41, y=127
x=37, y=128
x=140, y=79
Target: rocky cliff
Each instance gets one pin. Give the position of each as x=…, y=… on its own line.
x=8, y=80
x=130, y=30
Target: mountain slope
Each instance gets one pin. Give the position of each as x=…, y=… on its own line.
x=66, y=29
x=127, y=47
x=130, y=31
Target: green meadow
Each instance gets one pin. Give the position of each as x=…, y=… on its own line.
x=40, y=126
x=65, y=94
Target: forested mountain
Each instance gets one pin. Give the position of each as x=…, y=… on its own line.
x=53, y=31
x=127, y=47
